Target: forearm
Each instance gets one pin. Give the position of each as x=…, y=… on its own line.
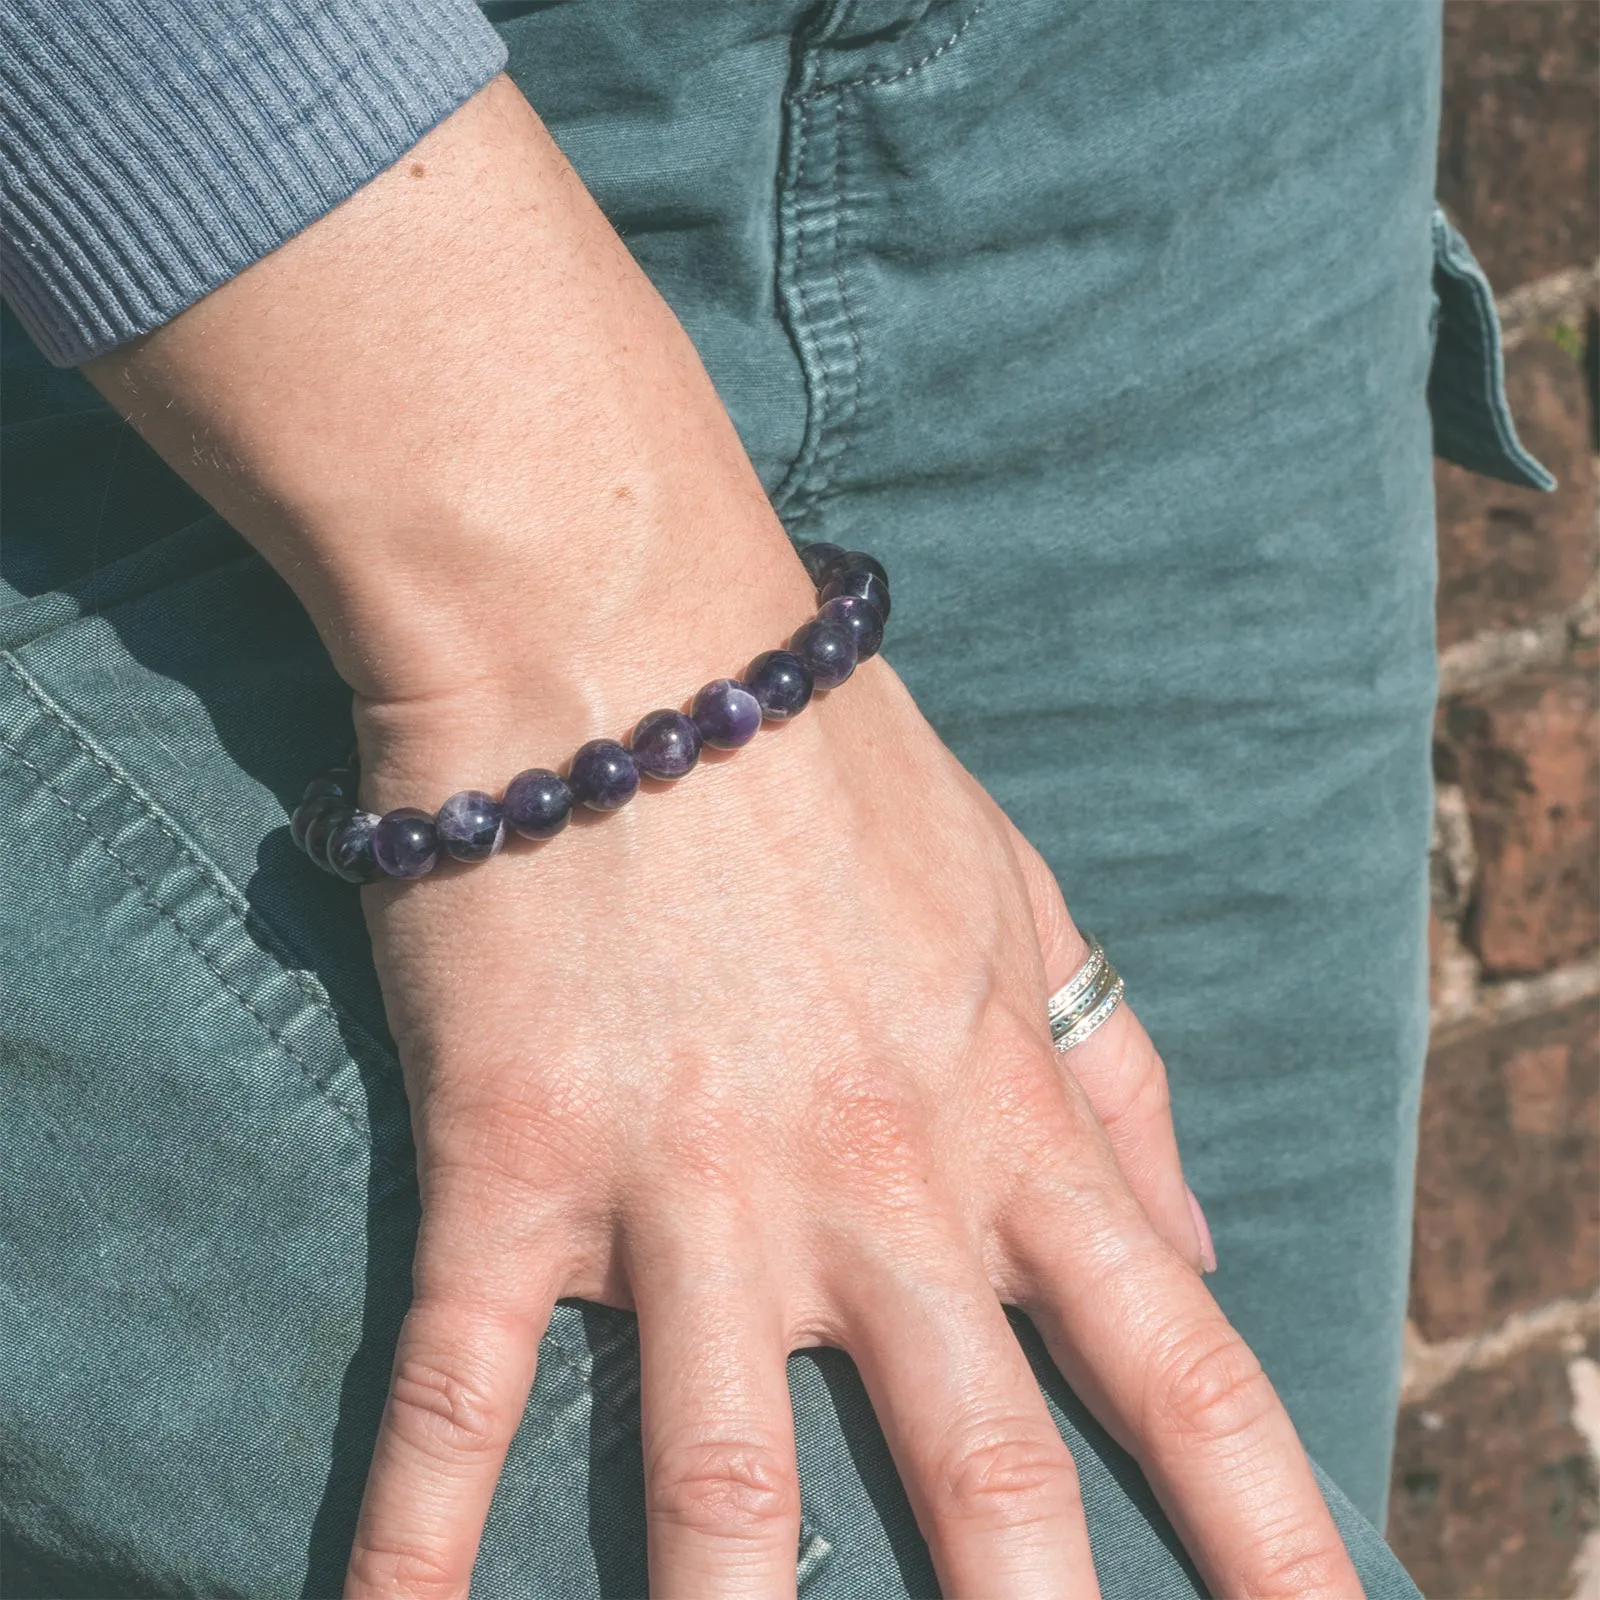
x=457, y=418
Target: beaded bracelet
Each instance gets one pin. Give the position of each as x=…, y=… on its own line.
x=853, y=595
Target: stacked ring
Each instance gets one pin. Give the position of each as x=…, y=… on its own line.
x=1084, y=1003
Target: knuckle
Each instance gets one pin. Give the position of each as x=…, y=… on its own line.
x=1138, y=1096
x=381, y=1571
x=1302, y=1567
x=1209, y=1386
x=1009, y=1479
x=495, y=1143
x=442, y=1413
x=730, y=1488
x=705, y=1140
x=867, y=1130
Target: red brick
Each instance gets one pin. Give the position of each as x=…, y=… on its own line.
x=1494, y=1489
x=1509, y=555
x=1525, y=757
x=1519, y=164
x=1508, y=1172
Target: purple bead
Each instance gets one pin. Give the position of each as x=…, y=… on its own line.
x=828, y=649
x=470, y=825
x=726, y=713
x=604, y=776
x=781, y=683
x=338, y=781
x=860, y=561
x=405, y=844
x=863, y=621
x=308, y=811
x=538, y=804
x=320, y=829
x=866, y=586
x=350, y=847
x=820, y=561
x=666, y=744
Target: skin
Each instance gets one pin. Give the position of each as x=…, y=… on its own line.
x=733, y=1057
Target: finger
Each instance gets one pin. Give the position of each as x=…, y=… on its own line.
x=993, y=1486
x=722, y=1491
x=1125, y=1082
x=463, y=1369
x=1142, y=1342
x=1121, y=1073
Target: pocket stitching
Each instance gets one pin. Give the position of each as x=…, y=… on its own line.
x=149, y=896
x=219, y=884
x=872, y=82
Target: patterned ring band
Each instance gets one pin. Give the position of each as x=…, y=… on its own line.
x=1078, y=995
x=1084, y=1003
x=1096, y=1019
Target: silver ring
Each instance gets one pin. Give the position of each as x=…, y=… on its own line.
x=1086, y=1001
x=1096, y=1019
x=1076, y=996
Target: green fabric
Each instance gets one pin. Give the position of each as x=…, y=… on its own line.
x=1110, y=325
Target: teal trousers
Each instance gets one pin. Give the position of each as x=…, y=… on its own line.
x=1112, y=325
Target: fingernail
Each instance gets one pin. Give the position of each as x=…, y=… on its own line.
x=1208, y=1251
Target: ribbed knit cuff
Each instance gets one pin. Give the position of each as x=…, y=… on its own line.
x=151, y=151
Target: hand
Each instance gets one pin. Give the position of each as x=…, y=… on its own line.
x=764, y=1058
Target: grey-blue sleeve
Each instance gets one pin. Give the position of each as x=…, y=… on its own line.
x=152, y=149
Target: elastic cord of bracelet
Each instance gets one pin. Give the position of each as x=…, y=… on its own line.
x=472, y=825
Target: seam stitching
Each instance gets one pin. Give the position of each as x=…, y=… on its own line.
x=819, y=390
x=838, y=383
x=841, y=215
x=209, y=871
x=812, y=471
x=1493, y=372
x=905, y=72
x=148, y=895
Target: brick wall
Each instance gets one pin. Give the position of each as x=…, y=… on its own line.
x=1497, y=1471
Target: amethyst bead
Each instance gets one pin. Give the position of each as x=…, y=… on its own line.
x=604, y=776
x=781, y=682
x=863, y=585
x=350, y=847
x=338, y=781
x=470, y=825
x=666, y=744
x=538, y=804
x=820, y=561
x=309, y=810
x=862, y=620
x=320, y=829
x=828, y=649
x=860, y=561
x=405, y=844
x=726, y=713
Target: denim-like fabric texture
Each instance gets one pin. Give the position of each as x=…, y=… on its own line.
x=1110, y=325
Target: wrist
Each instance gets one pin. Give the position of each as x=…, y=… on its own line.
x=468, y=683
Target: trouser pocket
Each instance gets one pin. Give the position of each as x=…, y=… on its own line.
x=1472, y=423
